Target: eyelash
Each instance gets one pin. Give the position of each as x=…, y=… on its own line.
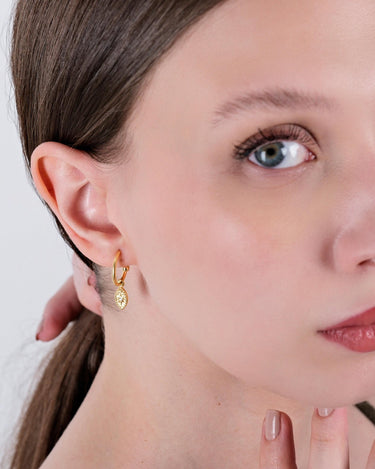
x=284, y=132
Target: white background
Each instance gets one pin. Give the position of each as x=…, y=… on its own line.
x=34, y=259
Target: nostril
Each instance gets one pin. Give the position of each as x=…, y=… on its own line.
x=368, y=261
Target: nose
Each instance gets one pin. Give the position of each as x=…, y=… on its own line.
x=354, y=246
x=353, y=214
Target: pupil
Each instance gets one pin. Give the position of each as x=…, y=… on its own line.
x=270, y=155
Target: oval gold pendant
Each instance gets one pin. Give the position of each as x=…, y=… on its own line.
x=121, y=297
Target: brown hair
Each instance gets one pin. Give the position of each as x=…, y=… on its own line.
x=79, y=67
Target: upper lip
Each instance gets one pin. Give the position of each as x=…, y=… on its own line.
x=362, y=319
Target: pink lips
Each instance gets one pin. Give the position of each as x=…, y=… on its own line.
x=363, y=319
x=356, y=333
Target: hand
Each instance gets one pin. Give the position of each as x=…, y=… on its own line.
x=328, y=445
x=67, y=303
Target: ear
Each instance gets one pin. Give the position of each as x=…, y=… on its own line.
x=74, y=187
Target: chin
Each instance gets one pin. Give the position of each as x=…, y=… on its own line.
x=341, y=396
x=322, y=393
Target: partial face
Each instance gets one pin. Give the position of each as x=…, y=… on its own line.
x=250, y=257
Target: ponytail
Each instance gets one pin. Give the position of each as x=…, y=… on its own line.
x=69, y=371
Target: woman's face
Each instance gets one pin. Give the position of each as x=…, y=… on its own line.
x=250, y=258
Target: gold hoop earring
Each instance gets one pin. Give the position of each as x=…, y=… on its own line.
x=121, y=295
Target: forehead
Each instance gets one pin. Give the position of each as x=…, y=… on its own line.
x=322, y=46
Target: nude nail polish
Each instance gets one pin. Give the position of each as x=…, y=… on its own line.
x=325, y=411
x=272, y=424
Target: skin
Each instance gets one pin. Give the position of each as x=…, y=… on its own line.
x=329, y=442
x=233, y=270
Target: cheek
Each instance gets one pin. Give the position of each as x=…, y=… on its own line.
x=218, y=268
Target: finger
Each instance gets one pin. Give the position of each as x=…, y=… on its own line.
x=278, y=452
x=85, y=284
x=329, y=447
x=62, y=308
x=371, y=459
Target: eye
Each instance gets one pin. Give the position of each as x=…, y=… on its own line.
x=271, y=148
x=280, y=154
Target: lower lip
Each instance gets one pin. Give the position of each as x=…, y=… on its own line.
x=357, y=338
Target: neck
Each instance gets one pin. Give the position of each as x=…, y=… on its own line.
x=157, y=399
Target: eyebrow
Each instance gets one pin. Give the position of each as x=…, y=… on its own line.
x=271, y=99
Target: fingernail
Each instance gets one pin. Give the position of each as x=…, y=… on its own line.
x=325, y=411
x=272, y=424
x=91, y=280
x=39, y=329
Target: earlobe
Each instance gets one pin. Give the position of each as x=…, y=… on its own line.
x=72, y=184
